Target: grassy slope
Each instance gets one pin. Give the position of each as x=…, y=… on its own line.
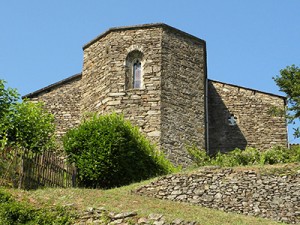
x=122, y=200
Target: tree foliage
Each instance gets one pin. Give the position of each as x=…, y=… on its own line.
x=24, y=124
x=32, y=127
x=8, y=98
x=108, y=152
x=289, y=82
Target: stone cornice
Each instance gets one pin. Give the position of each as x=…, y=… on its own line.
x=142, y=26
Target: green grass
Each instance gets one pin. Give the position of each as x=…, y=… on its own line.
x=123, y=200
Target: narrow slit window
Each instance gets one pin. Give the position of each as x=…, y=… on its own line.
x=134, y=70
x=137, y=74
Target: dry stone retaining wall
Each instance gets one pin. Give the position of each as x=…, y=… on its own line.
x=248, y=192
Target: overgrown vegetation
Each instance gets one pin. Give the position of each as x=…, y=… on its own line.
x=13, y=212
x=108, y=152
x=32, y=127
x=249, y=156
x=24, y=125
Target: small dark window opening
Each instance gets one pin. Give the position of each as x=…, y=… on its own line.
x=232, y=120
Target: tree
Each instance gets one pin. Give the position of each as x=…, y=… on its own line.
x=24, y=124
x=32, y=127
x=289, y=82
x=8, y=98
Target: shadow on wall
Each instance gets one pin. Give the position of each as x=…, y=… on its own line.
x=224, y=132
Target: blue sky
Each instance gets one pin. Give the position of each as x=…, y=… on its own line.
x=248, y=42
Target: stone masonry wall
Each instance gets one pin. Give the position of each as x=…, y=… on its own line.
x=63, y=100
x=170, y=107
x=274, y=195
x=183, y=94
x=255, y=126
x=104, y=75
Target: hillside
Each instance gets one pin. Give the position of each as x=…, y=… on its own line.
x=124, y=200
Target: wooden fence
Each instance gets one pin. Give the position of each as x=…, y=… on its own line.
x=29, y=170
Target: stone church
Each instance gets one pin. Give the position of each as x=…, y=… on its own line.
x=156, y=75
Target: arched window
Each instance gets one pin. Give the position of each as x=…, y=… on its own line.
x=134, y=70
x=137, y=74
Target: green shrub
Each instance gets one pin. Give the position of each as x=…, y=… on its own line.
x=15, y=213
x=229, y=159
x=24, y=124
x=4, y=197
x=199, y=156
x=249, y=156
x=32, y=127
x=108, y=152
x=281, y=155
x=237, y=157
x=295, y=154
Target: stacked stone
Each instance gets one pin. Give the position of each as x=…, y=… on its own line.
x=248, y=192
x=255, y=124
x=169, y=108
x=104, y=76
x=62, y=99
x=102, y=216
x=183, y=94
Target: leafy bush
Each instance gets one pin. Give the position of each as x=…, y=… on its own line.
x=199, y=156
x=249, y=156
x=237, y=157
x=14, y=213
x=275, y=155
x=4, y=197
x=108, y=152
x=32, y=127
x=295, y=153
x=280, y=155
x=24, y=124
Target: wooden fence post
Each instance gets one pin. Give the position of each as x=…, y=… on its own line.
x=74, y=174
x=21, y=169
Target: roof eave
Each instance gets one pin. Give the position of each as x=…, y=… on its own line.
x=250, y=89
x=51, y=86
